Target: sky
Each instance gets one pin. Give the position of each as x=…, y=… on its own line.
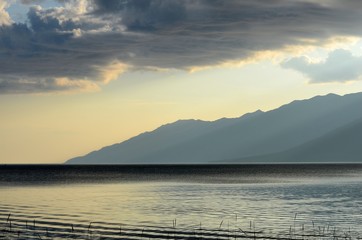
x=76, y=76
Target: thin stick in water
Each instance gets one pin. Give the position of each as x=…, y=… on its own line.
x=221, y=223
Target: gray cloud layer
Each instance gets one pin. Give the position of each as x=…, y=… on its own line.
x=73, y=47
x=340, y=66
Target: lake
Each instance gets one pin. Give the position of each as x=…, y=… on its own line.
x=66, y=202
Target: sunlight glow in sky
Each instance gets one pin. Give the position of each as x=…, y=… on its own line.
x=76, y=76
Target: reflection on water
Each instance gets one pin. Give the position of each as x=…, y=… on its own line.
x=268, y=201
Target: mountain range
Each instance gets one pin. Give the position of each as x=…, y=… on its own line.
x=321, y=129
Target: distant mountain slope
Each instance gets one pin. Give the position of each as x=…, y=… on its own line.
x=341, y=145
x=194, y=141
x=273, y=131
x=161, y=138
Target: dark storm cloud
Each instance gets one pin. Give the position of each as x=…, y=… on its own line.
x=144, y=14
x=83, y=39
x=340, y=66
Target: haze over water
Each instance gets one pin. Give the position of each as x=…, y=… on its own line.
x=270, y=197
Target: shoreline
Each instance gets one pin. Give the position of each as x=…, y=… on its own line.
x=38, y=229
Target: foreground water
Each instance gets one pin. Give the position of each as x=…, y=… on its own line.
x=271, y=198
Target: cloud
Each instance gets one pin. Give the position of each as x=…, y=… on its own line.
x=31, y=2
x=340, y=66
x=97, y=40
x=32, y=85
x=4, y=16
x=144, y=14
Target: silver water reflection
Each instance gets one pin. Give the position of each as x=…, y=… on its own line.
x=269, y=205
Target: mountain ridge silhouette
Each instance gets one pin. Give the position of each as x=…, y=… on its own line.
x=237, y=139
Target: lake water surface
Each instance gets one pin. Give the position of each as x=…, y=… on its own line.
x=271, y=198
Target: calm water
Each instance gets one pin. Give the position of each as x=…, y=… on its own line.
x=268, y=197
